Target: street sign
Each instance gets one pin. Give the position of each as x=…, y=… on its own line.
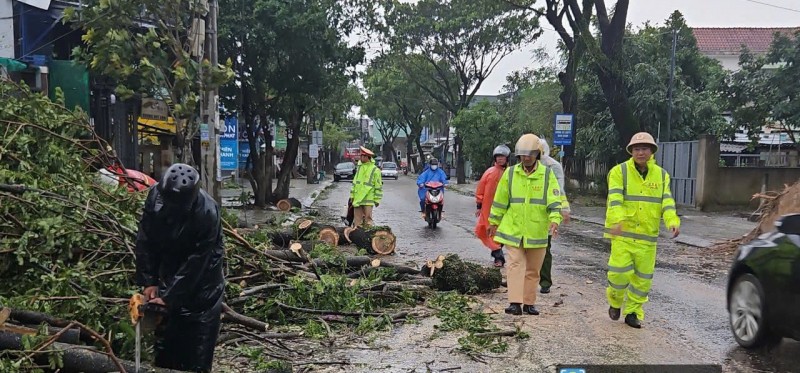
x=229, y=145
x=204, y=139
x=316, y=137
x=313, y=151
x=562, y=133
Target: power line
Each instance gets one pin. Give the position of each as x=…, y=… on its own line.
x=773, y=5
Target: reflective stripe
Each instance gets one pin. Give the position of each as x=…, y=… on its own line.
x=624, y=178
x=368, y=184
x=668, y=208
x=516, y=200
x=531, y=241
x=643, y=199
x=642, y=275
x=554, y=206
x=499, y=205
x=637, y=291
x=492, y=216
x=620, y=269
x=618, y=287
x=513, y=239
x=510, y=180
x=635, y=236
x=537, y=201
x=616, y=191
x=556, y=210
x=666, y=195
x=615, y=203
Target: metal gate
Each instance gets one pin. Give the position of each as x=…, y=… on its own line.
x=680, y=161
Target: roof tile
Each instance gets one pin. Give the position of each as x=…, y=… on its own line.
x=729, y=40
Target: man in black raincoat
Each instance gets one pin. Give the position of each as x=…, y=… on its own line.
x=179, y=256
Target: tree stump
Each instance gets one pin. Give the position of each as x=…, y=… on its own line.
x=307, y=246
x=376, y=240
x=342, y=237
x=288, y=204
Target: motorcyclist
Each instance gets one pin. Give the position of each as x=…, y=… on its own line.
x=179, y=255
x=484, y=195
x=432, y=173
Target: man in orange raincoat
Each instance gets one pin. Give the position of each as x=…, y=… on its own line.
x=485, y=193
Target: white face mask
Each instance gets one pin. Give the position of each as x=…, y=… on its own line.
x=433, y=167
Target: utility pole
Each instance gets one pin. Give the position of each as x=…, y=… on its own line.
x=212, y=176
x=668, y=132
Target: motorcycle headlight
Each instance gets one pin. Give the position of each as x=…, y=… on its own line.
x=435, y=198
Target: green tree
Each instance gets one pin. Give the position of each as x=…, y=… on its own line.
x=462, y=41
x=292, y=57
x=476, y=124
x=163, y=61
x=785, y=52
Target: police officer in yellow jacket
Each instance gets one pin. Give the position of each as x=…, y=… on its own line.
x=639, y=196
x=525, y=211
x=367, y=190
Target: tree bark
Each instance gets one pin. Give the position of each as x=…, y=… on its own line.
x=461, y=164
x=285, y=176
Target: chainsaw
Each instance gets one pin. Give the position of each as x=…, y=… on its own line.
x=145, y=317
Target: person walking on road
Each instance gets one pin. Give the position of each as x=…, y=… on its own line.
x=639, y=195
x=485, y=193
x=431, y=173
x=179, y=255
x=546, y=280
x=367, y=190
x=526, y=210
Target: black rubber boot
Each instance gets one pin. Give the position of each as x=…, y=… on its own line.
x=544, y=290
x=530, y=309
x=499, y=259
x=514, y=309
x=614, y=313
x=633, y=321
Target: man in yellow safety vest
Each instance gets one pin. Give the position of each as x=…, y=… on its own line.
x=638, y=197
x=367, y=190
x=525, y=211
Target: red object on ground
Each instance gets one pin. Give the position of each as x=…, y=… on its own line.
x=134, y=180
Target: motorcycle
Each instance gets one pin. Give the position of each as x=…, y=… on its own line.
x=434, y=202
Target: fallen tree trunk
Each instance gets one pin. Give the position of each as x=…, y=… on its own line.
x=77, y=359
x=354, y=262
x=342, y=237
x=376, y=240
x=38, y=318
x=283, y=239
x=452, y=273
x=288, y=204
x=307, y=246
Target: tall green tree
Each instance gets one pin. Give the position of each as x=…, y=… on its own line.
x=162, y=60
x=785, y=53
x=292, y=56
x=462, y=41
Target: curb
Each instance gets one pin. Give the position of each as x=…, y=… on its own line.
x=458, y=190
x=687, y=240
x=309, y=200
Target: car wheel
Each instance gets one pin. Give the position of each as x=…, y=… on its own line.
x=748, y=314
x=396, y=177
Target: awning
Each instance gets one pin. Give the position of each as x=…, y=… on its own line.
x=12, y=65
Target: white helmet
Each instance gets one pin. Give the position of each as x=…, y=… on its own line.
x=501, y=150
x=544, y=146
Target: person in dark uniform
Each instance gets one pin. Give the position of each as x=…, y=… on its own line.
x=179, y=257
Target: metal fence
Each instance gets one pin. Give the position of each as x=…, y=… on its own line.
x=680, y=161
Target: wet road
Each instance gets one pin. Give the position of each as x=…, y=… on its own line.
x=686, y=320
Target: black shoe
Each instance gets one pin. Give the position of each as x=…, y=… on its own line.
x=633, y=321
x=530, y=309
x=614, y=313
x=544, y=290
x=514, y=309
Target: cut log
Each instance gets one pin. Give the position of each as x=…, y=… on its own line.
x=352, y=262
x=283, y=239
x=308, y=229
x=77, y=359
x=465, y=277
x=38, y=318
x=288, y=204
x=376, y=240
x=307, y=246
x=342, y=237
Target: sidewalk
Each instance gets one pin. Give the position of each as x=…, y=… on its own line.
x=698, y=228
x=298, y=188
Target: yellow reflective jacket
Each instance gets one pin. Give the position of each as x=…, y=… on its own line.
x=524, y=206
x=367, y=185
x=639, y=203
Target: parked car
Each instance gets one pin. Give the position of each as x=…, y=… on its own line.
x=344, y=170
x=389, y=170
x=764, y=287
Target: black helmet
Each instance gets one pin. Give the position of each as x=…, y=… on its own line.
x=433, y=161
x=179, y=185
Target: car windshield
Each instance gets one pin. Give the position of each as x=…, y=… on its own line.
x=389, y=165
x=344, y=166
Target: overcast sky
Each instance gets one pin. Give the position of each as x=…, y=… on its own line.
x=698, y=13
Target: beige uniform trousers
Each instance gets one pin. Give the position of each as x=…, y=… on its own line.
x=523, y=274
x=362, y=216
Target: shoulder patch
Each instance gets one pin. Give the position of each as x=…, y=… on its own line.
x=556, y=192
